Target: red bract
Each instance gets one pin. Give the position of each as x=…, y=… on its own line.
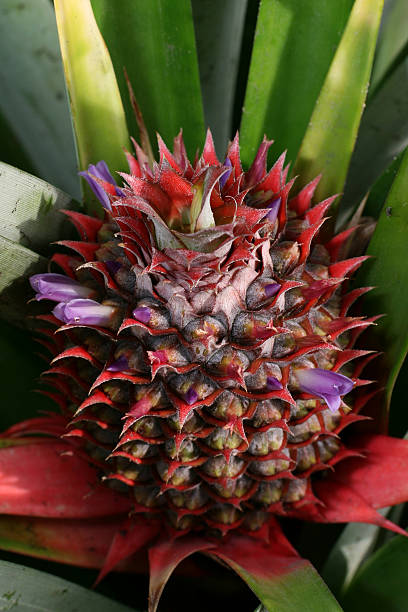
x=205, y=369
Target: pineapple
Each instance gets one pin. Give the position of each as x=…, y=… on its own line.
x=204, y=356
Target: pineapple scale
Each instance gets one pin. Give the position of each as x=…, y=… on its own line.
x=187, y=397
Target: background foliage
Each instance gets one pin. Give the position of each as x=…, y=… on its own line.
x=322, y=78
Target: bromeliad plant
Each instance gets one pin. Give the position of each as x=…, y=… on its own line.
x=204, y=337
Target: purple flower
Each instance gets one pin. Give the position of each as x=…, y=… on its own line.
x=273, y=384
x=119, y=365
x=274, y=209
x=191, y=396
x=271, y=289
x=101, y=171
x=58, y=287
x=325, y=384
x=225, y=176
x=142, y=314
x=85, y=312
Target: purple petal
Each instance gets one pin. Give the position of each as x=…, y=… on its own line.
x=50, y=277
x=191, y=396
x=119, y=365
x=333, y=401
x=58, y=287
x=273, y=384
x=98, y=190
x=274, y=209
x=58, y=311
x=225, y=176
x=142, y=314
x=85, y=312
x=271, y=289
x=325, y=384
x=102, y=171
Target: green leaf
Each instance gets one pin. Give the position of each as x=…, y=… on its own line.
x=299, y=588
x=388, y=273
x=383, y=135
x=16, y=264
x=381, y=584
x=380, y=189
x=29, y=210
x=29, y=223
x=154, y=41
x=218, y=49
x=398, y=414
x=280, y=579
x=11, y=150
x=392, y=40
x=29, y=590
x=28, y=218
x=354, y=544
x=294, y=45
x=20, y=367
x=33, y=99
x=96, y=106
x=330, y=137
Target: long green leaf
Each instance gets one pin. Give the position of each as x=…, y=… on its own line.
x=11, y=149
x=380, y=189
x=388, y=273
x=33, y=98
x=381, y=584
x=398, y=417
x=330, y=137
x=29, y=222
x=352, y=547
x=280, y=579
x=28, y=590
x=28, y=218
x=96, y=106
x=294, y=45
x=29, y=210
x=17, y=263
x=24, y=217
x=154, y=41
x=218, y=48
x=299, y=588
x=383, y=135
x=20, y=368
x=392, y=40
